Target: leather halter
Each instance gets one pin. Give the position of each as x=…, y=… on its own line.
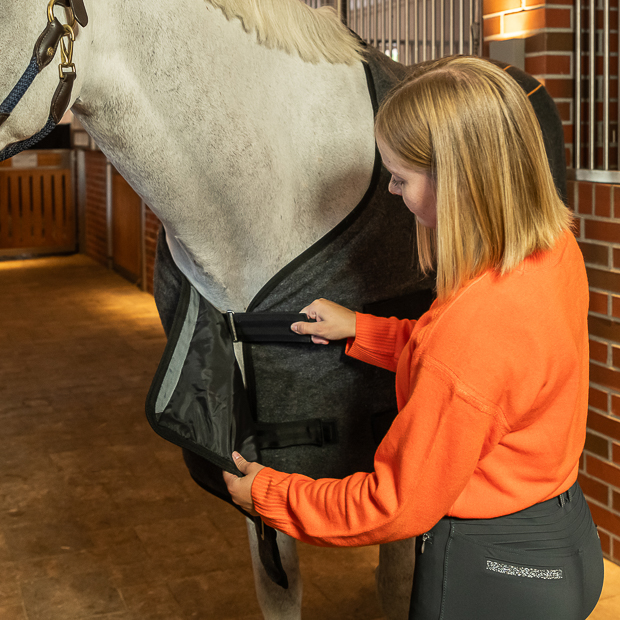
x=45, y=48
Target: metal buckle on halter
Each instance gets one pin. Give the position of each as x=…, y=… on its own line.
x=66, y=65
x=50, y=12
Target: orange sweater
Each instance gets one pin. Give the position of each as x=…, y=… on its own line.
x=492, y=390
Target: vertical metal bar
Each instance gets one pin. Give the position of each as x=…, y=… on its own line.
x=416, y=26
x=471, y=22
x=407, y=33
x=375, y=12
x=389, y=29
x=606, y=85
x=433, y=29
x=398, y=33
x=461, y=13
x=424, y=30
x=442, y=36
x=592, y=85
x=577, y=101
x=451, y=27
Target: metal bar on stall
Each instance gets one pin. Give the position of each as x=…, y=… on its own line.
x=451, y=27
x=606, y=85
x=407, y=34
x=442, y=37
x=592, y=87
x=424, y=31
x=471, y=21
x=416, y=29
x=399, y=56
x=434, y=30
x=577, y=102
x=461, y=17
x=389, y=29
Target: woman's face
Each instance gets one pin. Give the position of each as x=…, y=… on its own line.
x=415, y=185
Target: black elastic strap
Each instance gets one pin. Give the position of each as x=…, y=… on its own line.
x=265, y=327
x=312, y=432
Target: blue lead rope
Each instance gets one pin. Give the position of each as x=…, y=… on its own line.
x=17, y=147
x=14, y=97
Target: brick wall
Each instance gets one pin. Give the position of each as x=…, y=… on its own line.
x=597, y=207
x=96, y=236
x=549, y=56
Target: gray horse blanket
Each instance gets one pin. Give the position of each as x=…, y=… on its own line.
x=367, y=263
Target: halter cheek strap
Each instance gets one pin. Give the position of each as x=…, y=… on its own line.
x=45, y=48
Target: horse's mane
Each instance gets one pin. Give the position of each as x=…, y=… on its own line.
x=292, y=26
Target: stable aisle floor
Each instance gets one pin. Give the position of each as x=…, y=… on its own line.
x=98, y=516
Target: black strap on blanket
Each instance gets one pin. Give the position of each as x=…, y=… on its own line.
x=263, y=327
x=312, y=432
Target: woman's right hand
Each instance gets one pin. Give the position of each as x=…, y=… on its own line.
x=333, y=322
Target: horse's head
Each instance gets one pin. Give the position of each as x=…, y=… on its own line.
x=36, y=39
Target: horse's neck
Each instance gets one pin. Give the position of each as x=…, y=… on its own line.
x=248, y=155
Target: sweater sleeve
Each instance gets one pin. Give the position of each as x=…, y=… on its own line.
x=379, y=341
x=420, y=469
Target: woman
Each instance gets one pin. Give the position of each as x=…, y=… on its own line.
x=492, y=382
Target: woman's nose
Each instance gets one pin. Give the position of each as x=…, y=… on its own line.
x=394, y=189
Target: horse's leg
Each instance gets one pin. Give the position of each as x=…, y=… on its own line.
x=275, y=602
x=394, y=577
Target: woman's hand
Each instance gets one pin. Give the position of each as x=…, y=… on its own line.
x=241, y=488
x=333, y=322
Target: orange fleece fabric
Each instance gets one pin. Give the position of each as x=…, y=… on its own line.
x=492, y=390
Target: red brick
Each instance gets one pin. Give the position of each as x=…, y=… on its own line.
x=602, y=200
x=615, y=501
x=603, y=471
x=596, y=444
x=606, y=519
x=594, y=489
x=598, y=351
x=570, y=193
x=615, y=355
x=548, y=65
x=500, y=6
x=603, y=231
x=524, y=21
x=584, y=198
x=615, y=453
x=598, y=400
x=605, y=280
x=604, y=424
x=616, y=250
x=598, y=303
x=595, y=254
x=559, y=88
x=607, y=377
x=564, y=108
x=615, y=406
x=491, y=27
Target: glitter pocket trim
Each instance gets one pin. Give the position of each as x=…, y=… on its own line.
x=524, y=571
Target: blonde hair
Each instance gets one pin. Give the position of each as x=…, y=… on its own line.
x=472, y=126
x=294, y=27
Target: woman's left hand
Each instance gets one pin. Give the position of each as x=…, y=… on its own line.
x=241, y=488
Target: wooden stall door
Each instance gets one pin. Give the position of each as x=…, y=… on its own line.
x=37, y=208
x=126, y=229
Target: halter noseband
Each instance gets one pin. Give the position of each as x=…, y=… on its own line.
x=45, y=49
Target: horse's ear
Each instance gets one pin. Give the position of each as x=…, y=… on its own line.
x=78, y=8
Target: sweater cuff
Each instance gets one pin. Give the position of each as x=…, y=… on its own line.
x=374, y=342
x=270, y=496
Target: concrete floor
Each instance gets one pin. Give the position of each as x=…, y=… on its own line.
x=98, y=516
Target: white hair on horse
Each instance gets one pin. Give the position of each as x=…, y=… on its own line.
x=294, y=27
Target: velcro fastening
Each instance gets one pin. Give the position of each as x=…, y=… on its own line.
x=264, y=327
